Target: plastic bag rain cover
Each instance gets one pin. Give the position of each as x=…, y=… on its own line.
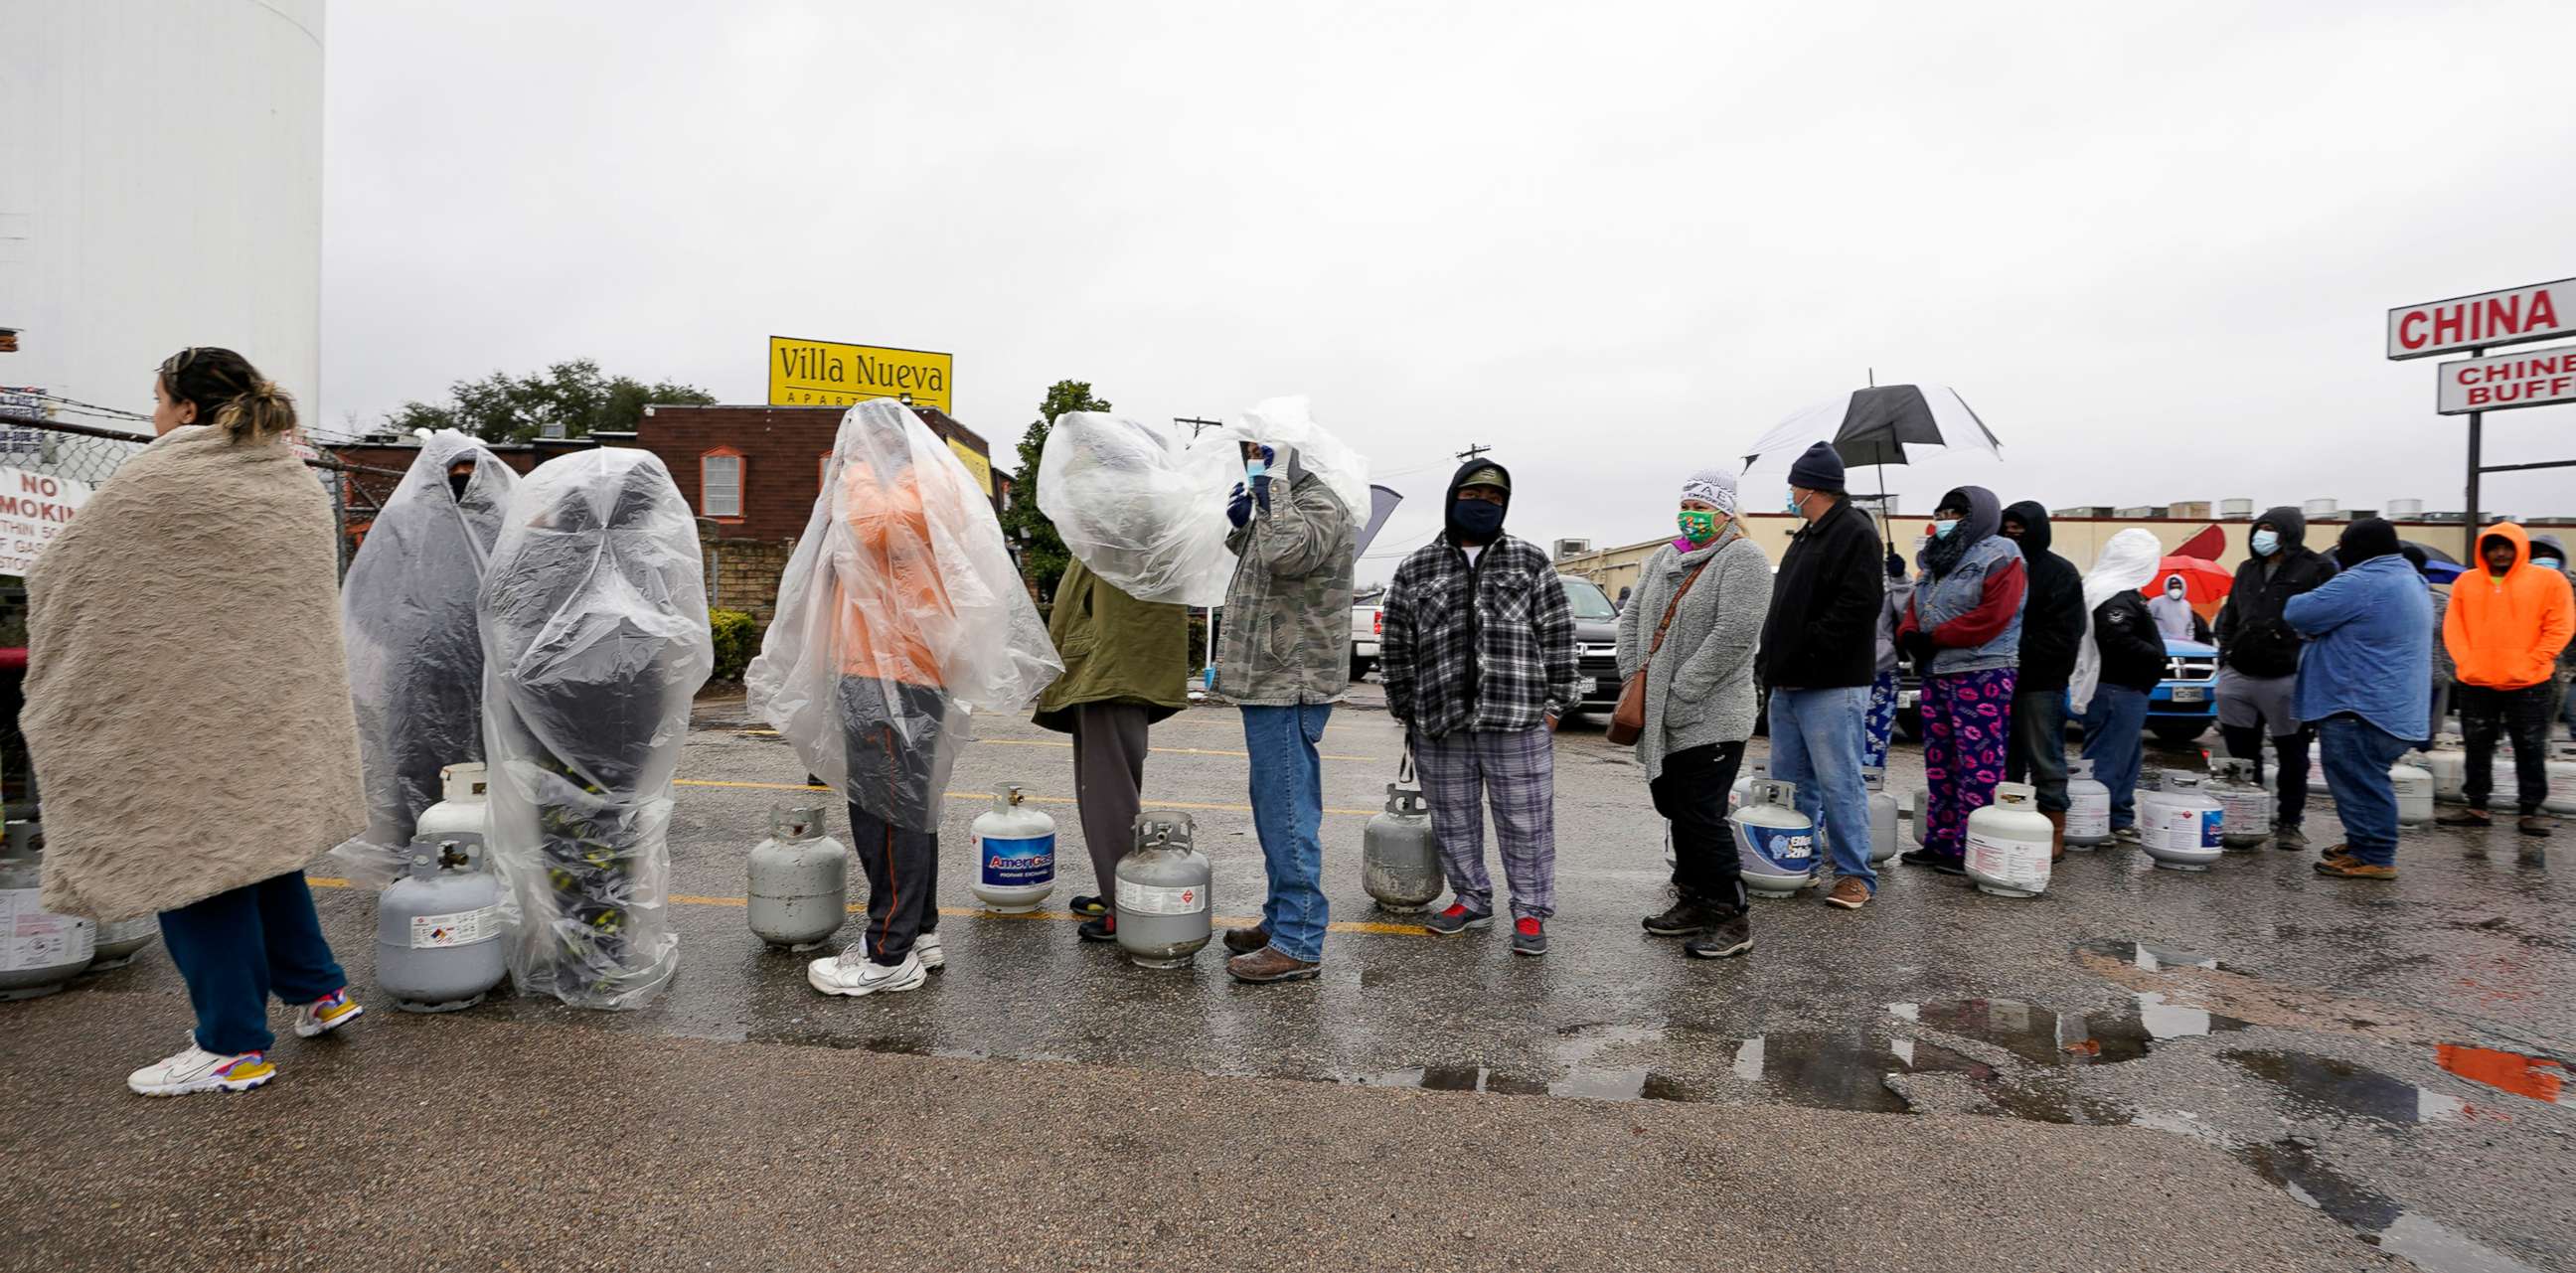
x=1130, y=508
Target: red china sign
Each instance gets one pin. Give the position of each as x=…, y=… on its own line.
x=2542, y=311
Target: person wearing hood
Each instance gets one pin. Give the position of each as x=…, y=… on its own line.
x=2120, y=663
x=1284, y=656
x=1963, y=626
x=2364, y=684
x=1882, y=687
x=2509, y=621
x=1693, y=635
x=2175, y=619
x=2052, y=633
x=1479, y=661
x=1819, y=656
x=2258, y=662
x=2548, y=554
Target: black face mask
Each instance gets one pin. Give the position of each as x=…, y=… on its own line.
x=1476, y=519
x=457, y=482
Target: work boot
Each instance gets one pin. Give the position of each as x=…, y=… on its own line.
x=2056, y=835
x=1943, y=863
x=1269, y=964
x=2353, y=868
x=2464, y=818
x=2535, y=825
x=1105, y=928
x=2288, y=837
x=1732, y=935
x=1244, y=941
x=1689, y=917
x=1849, y=893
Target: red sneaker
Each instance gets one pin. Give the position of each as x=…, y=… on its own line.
x=1455, y=920
x=1529, y=937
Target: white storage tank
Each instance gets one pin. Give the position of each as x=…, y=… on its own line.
x=2236, y=509
x=2317, y=509
x=2403, y=510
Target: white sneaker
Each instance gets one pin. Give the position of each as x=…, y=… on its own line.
x=198, y=1070
x=838, y=975
x=328, y=1013
x=927, y=949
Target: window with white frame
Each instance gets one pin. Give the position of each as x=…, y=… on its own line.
x=719, y=485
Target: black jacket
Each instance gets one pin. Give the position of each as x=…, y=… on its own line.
x=2052, y=613
x=2251, y=635
x=1822, y=631
x=2133, y=652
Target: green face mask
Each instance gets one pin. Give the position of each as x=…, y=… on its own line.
x=1698, y=525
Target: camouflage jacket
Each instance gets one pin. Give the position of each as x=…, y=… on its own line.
x=1286, y=638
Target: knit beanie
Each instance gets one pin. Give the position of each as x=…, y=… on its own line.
x=1820, y=468
x=1714, y=486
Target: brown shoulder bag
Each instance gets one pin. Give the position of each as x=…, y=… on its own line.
x=1628, y=719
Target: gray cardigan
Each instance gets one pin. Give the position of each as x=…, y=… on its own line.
x=1699, y=688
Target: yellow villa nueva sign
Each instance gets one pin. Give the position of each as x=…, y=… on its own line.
x=826, y=373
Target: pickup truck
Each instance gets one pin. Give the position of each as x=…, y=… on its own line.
x=1368, y=624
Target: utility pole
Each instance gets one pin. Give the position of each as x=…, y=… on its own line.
x=1197, y=426
x=1472, y=452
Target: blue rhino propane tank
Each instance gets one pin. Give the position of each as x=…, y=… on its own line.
x=438, y=929
x=2179, y=825
x=1775, y=845
x=1163, y=907
x=1735, y=795
x=1014, y=854
x=798, y=890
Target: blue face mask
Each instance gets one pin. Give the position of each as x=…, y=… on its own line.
x=2266, y=543
x=1794, y=510
x=1945, y=529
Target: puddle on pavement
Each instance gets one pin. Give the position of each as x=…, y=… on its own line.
x=2380, y=1220
x=2345, y=1088
x=2148, y=958
x=2539, y=1077
x=2047, y=1037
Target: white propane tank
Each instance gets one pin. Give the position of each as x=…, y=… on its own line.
x=1917, y=807
x=798, y=893
x=2562, y=780
x=2179, y=825
x=1775, y=845
x=2088, y=808
x=1163, y=884
x=120, y=940
x=39, y=950
x=1882, y=816
x=1399, y=857
x=2450, y=769
x=463, y=812
x=1735, y=795
x=2414, y=785
x=1014, y=854
x=2244, y=805
x=2009, y=843
x=438, y=929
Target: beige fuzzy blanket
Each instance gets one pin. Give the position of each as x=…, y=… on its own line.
x=187, y=698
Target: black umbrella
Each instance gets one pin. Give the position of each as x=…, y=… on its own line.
x=1875, y=425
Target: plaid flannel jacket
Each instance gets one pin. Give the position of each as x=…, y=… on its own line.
x=1489, y=648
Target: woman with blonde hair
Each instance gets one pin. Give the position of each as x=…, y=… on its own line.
x=188, y=712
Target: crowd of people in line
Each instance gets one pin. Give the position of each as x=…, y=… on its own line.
x=902, y=612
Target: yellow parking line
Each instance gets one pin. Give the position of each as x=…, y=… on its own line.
x=980, y=795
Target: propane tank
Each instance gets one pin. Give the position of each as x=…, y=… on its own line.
x=462, y=813
x=2088, y=807
x=2561, y=797
x=1735, y=795
x=2009, y=843
x=1163, y=892
x=1775, y=845
x=2450, y=769
x=2179, y=825
x=1014, y=854
x=1918, y=807
x=121, y=940
x=1882, y=816
x=438, y=929
x=2244, y=805
x=1399, y=859
x=39, y=950
x=799, y=894
x=2414, y=785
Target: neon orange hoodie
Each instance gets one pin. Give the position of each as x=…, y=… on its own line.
x=2506, y=633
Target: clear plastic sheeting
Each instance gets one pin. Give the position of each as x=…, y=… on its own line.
x=1288, y=428
x=900, y=615
x=1130, y=508
x=408, y=615
x=2128, y=563
x=595, y=642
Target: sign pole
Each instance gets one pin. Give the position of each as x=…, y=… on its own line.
x=2469, y=518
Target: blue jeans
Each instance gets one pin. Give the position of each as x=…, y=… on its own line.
x=236, y=948
x=1817, y=737
x=2357, y=757
x=2113, y=727
x=1288, y=812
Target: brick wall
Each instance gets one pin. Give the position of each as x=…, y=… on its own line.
x=742, y=574
x=782, y=450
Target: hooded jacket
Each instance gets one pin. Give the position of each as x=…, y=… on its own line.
x=2124, y=647
x=2566, y=657
x=2052, y=617
x=2507, y=634
x=1968, y=599
x=2252, y=638
x=1821, y=633
x=1487, y=645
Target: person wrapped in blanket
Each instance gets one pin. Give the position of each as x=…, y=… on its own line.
x=595, y=642
x=899, y=616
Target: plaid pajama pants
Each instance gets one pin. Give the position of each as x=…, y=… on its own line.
x=1518, y=768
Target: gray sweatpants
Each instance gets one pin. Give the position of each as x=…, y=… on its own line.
x=1108, y=782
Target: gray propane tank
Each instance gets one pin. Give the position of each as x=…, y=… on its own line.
x=2244, y=805
x=2088, y=808
x=1775, y=845
x=1918, y=811
x=121, y=941
x=798, y=893
x=1014, y=854
x=438, y=929
x=2009, y=843
x=39, y=950
x=1163, y=915
x=463, y=812
x=1882, y=816
x=1399, y=858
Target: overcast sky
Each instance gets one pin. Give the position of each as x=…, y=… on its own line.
x=2152, y=245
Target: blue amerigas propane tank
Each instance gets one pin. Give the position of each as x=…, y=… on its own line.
x=1775, y=845
x=2009, y=843
x=438, y=929
x=1399, y=858
x=799, y=887
x=1014, y=854
x=1163, y=912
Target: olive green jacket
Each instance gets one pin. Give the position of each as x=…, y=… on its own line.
x=1116, y=649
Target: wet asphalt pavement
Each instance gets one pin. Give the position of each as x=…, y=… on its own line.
x=2252, y=1068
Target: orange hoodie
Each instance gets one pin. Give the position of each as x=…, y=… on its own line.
x=2506, y=633
x=891, y=600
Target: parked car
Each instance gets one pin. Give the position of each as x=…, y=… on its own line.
x=2182, y=708
x=1596, y=642
x=1368, y=627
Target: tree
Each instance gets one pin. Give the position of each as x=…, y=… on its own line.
x=1042, y=553
x=506, y=408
